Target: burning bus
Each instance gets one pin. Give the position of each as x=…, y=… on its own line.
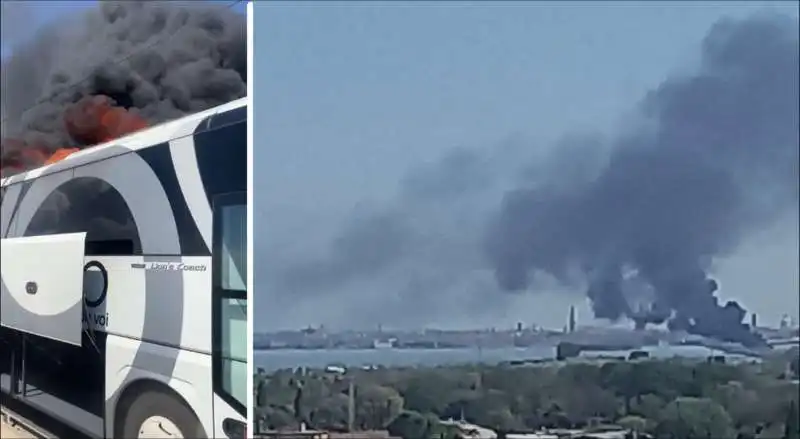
x=124, y=273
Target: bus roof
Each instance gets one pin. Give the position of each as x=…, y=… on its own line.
x=142, y=139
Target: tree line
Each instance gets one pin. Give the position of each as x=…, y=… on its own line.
x=673, y=399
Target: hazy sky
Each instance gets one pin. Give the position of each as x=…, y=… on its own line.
x=350, y=97
x=21, y=19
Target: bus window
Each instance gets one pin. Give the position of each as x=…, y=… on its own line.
x=110, y=247
x=230, y=296
x=234, y=348
x=90, y=205
x=222, y=158
x=234, y=247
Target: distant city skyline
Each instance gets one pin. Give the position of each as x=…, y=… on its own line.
x=356, y=101
x=785, y=321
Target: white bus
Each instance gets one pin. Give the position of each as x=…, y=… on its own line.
x=123, y=303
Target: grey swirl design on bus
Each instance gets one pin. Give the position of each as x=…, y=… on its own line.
x=142, y=191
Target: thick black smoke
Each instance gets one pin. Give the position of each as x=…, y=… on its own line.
x=379, y=239
x=413, y=255
x=184, y=57
x=715, y=159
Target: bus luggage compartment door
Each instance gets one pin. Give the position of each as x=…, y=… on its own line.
x=42, y=285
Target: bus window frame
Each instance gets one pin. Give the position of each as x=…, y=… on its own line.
x=220, y=294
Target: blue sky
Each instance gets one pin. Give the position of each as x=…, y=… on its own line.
x=350, y=96
x=34, y=14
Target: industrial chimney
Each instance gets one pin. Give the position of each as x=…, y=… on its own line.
x=572, y=319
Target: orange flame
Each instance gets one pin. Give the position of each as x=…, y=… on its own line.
x=95, y=119
x=60, y=154
x=92, y=120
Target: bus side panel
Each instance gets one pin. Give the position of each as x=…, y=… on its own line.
x=115, y=295
x=191, y=378
x=223, y=410
x=186, y=363
x=133, y=280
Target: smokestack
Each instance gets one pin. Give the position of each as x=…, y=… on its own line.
x=572, y=321
x=753, y=321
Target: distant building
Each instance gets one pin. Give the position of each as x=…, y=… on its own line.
x=531, y=436
x=384, y=344
x=614, y=433
x=465, y=430
x=308, y=434
x=335, y=369
x=376, y=434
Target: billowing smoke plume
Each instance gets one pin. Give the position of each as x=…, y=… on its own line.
x=157, y=60
x=416, y=254
x=715, y=160
x=713, y=157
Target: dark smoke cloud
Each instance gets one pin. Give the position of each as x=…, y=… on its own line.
x=199, y=62
x=377, y=239
x=367, y=245
x=718, y=161
x=417, y=254
x=459, y=172
x=710, y=159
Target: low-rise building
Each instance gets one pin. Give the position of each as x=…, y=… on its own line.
x=465, y=430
